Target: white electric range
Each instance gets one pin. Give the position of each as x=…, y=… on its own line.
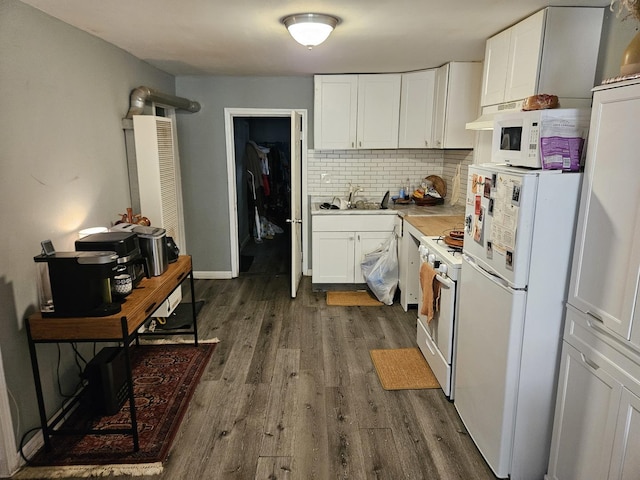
x=436, y=339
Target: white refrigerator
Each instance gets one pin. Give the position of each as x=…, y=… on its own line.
x=519, y=227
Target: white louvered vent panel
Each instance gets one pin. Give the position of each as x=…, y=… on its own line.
x=159, y=175
x=168, y=188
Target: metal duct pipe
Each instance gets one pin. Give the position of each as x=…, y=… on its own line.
x=142, y=94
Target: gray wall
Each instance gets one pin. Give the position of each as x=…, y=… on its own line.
x=63, y=94
x=203, y=156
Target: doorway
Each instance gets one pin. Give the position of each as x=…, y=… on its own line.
x=263, y=190
x=268, y=212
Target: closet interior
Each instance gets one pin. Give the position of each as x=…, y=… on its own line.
x=263, y=188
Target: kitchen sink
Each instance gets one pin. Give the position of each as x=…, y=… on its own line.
x=359, y=207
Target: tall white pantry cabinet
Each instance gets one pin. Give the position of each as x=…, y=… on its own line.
x=596, y=432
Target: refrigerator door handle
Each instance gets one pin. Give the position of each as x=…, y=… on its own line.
x=489, y=275
x=447, y=282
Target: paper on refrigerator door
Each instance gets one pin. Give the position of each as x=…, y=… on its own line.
x=506, y=206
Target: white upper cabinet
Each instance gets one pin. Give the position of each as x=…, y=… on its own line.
x=356, y=111
x=335, y=111
x=525, y=48
x=554, y=51
x=606, y=267
x=456, y=103
x=416, y=109
x=378, y=110
x=496, y=60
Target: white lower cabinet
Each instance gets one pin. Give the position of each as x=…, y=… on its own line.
x=585, y=416
x=596, y=433
x=340, y=242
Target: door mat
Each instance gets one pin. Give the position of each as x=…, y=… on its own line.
x=352, y=299
x=165, y=377
x=403, y=369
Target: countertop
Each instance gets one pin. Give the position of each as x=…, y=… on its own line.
x=434, y=225
x=403, y=211
x=414, y=210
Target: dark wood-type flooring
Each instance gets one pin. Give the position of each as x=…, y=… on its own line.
x=291, y=392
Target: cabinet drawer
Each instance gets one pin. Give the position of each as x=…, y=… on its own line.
x=353, y=222
x=587, y=335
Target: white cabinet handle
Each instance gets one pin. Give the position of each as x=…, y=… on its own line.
x=589, y=362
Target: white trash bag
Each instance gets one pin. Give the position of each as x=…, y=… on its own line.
x=380, y=270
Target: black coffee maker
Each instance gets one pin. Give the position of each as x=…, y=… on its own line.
x=125, y=244
x=76, y=284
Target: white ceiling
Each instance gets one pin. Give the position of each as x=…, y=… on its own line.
x=245, y=37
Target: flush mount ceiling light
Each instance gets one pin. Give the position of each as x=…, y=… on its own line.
x=310, y=29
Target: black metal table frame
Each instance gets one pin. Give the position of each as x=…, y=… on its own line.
x=48, y=427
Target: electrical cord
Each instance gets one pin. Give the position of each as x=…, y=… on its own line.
x=21, y=446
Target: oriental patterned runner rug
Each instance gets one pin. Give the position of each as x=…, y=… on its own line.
x=165, y=377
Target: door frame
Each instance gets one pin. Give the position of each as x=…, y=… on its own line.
x=229, y=115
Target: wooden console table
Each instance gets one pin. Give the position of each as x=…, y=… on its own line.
x=121, y=327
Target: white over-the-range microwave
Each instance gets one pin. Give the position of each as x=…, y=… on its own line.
x=552, y=139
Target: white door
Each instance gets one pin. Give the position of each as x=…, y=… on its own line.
x=378, y=110
x=494, y=78
x=625, y=462
x=296, y=203
x=585, y=418
x=416, y=109
x=335, y=111
x=366, y=242
x=606, y=266
x=333, y=257
x=489, y=337
x=524, y=58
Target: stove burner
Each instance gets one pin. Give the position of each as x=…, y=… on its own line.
x=450, y=248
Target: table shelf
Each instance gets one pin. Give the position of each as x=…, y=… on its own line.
x=121, y=327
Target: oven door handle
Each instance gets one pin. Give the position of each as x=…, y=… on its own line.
x=447, y=282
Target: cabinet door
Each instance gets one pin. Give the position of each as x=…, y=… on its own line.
x=606, y=265
x=416, y=109
x=439, y=114
x=625, y=461
x=457, y=99
x=335, y=111
x=525, y=51
x=332, y=257
x=366, y=242
x=586, y=411
x=496, y=59
x=378, y=110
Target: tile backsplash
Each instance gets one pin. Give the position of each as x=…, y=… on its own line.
x=376, y=171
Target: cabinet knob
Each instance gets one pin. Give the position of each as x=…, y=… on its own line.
x=352, y=144
x=359, y=144
x=426, y=144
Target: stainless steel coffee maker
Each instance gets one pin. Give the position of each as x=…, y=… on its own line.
x=76, y=284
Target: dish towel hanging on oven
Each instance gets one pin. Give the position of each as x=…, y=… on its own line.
x=430, y=291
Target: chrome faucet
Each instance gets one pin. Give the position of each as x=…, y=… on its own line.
x=353, y=191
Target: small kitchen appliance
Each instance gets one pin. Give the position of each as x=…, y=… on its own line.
x=153, y=244
x=550, y=139
x=76, y=284
x=125, y=244
x=436, y=338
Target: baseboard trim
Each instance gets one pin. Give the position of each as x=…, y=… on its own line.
x=209, y=275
